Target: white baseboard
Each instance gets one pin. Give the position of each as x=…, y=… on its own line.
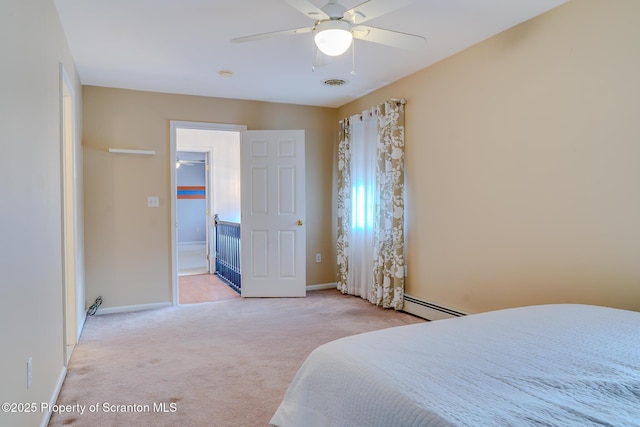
x=54, y=397
x=131, y=308
x=191, y=245
x=142, y=307
x=322, y=286
x=428, y=310
x=412, y=305
x=81, y=327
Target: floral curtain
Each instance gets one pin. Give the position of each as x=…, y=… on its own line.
x=344, y=204
x=371, y=205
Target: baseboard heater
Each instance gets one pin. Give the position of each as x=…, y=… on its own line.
x=428, y=310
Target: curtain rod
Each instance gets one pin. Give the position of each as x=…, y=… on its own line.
x=401, y=101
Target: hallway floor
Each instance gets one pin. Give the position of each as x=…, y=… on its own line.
x=192, y=258
x=203, y=288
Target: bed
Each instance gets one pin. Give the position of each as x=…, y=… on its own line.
x=545, y=365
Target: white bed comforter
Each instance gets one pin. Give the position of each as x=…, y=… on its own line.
x=548, y=365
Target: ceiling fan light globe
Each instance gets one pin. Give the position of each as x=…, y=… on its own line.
x=333, y=38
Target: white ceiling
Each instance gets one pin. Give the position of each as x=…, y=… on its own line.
x=179, y=46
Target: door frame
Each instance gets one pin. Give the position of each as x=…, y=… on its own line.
x=174, y=126
x=73, y=314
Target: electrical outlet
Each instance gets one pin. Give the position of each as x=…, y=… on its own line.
x=318, y=258
x=29, y=372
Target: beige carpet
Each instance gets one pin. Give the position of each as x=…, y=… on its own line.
x=225, y=363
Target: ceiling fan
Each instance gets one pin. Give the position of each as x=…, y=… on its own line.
x=181, y=162
x=335, y=27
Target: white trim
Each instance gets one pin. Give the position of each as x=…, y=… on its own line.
x=320, y=287
x=191, y=245
x=80, y=325
x=54, y=397
x=72, y=295
x=207, y=126
x=132, y=308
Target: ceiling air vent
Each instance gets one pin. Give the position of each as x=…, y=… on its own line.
x=335, y=82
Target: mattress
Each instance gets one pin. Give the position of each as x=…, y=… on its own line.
x=546, y=365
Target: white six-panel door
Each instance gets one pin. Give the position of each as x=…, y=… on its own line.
x=273, y=238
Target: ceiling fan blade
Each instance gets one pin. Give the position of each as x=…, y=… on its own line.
x=373, y=8
x=190, y=162
x=308, y=8
x=388, y=37
x=272, y=34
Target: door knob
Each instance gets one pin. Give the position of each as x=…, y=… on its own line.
x=300, y=222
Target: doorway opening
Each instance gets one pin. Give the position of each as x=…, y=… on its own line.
x=191, y=212
x=216, y=149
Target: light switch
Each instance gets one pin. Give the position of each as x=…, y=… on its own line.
x=153, y=202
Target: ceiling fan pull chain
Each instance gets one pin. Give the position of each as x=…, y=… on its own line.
x=314, y=54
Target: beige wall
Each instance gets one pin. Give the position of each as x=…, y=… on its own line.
x=31, y=307
x=128, y=244
x=523, y=164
